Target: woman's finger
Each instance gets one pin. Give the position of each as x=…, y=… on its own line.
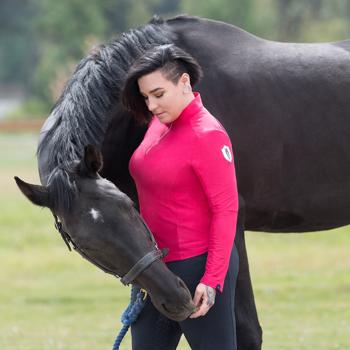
x=204, y=298
x=198, y=295
x=204, y=308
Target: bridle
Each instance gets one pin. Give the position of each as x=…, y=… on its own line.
x=132, y=274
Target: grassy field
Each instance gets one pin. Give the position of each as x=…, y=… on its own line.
x=53, y=299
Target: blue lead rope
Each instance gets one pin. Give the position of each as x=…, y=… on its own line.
x=129, y=316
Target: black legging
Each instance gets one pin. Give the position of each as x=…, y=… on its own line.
x=215, y=330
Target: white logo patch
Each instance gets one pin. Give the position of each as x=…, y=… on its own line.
x=227, y=153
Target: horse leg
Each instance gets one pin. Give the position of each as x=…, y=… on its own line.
x=249, y=332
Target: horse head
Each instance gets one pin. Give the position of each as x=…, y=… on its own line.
x=103, y=226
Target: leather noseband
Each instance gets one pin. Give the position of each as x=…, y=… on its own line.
x=135, y=271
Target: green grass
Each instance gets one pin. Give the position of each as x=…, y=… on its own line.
x=53, y=299
x=302, y=287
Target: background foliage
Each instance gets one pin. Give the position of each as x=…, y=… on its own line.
x=41, y=41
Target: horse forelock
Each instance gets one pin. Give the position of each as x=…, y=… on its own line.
x=62, y=190
x=83, y=111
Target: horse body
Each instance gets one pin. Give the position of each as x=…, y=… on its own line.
x=287, y=110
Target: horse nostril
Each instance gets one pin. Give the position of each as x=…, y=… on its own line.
x=165, y=308
x=182, y=283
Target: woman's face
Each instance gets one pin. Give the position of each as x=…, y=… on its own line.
x=163, y=98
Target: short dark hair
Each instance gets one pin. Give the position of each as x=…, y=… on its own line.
x=171, y=60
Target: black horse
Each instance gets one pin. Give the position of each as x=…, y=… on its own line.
x=285, y=106
x=101, y=223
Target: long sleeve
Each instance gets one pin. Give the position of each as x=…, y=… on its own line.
x=213, y=163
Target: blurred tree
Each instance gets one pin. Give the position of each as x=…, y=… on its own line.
x=114, y=13
x=290, y=18
x=64, y=28
x=67, y=29
x=167, y=7
x=41, y=41
x=139, y=12
x=264, y=19
x=121, y=15
x=18, y=49
x=232, y=11
x=313, y=20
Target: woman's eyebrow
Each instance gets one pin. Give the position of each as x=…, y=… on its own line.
x=152, y=91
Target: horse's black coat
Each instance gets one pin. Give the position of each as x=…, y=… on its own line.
x=102, y=225
x=285, y=106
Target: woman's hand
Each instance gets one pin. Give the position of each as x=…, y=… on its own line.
x=204, y=299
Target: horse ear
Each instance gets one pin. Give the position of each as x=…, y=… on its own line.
x=38, y=195
x=93, y=159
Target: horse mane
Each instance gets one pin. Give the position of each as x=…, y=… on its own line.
x=62, y=190
x=85, y=107
x=88, y=101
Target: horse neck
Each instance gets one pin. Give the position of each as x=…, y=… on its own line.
x=122, y=137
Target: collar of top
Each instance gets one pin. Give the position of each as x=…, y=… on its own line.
x=190, y=110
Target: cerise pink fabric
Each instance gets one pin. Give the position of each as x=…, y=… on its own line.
x=185, y=178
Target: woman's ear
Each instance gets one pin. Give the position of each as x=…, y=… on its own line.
x=185, y=79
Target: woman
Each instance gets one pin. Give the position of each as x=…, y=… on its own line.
x=185, y=178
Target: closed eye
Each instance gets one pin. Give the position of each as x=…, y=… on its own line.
x=156, y=96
